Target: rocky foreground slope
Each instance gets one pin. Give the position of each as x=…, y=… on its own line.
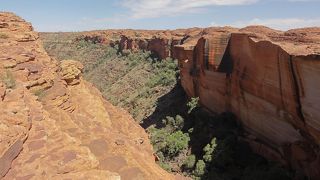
x=55, y=125
x=269, y=79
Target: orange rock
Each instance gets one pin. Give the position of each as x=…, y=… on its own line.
x=55, y=125
x=267, y=79
x=71, y=71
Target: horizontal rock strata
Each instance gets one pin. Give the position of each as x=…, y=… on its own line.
x=55, y=125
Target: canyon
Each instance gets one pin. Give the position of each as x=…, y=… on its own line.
x=268, y=78
x=55, y=124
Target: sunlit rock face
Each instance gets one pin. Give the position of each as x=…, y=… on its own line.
x=269, y=79
x=55, y=125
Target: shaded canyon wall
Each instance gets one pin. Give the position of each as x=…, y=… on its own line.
x=274, y=94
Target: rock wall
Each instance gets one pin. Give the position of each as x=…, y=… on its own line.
x=160, y=43
x=269, y=79
x=272, y=89
x=55, y=125
x=161, y=47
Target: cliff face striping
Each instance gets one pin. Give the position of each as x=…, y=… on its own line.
x=55, y=125
x=266, y=83
x=269, y=79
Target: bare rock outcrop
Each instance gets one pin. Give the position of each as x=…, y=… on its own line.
x=160, y=43
x=71, y=71
x=269, y=79
x=55, y=125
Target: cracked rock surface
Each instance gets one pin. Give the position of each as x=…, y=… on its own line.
x=55, y=125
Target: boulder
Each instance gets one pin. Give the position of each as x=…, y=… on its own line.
x=71, y=71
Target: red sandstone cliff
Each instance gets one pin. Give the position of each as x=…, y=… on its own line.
x=55, y=125
x=269, y=80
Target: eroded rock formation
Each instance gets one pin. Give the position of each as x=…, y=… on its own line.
x=269, y=79
x=55, y=125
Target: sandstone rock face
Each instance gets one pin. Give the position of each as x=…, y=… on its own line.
x=71, y=71
x=160, y=43
x=269, y=79
x=55, y=125
x=160, y=46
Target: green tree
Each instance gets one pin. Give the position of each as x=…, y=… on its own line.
x=176, y=142
x=190, y=162
x=209, y=150
x=192, y=104
x=200, y=168
x=174, y=124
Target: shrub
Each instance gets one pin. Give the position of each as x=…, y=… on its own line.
x=209, y=150
x=174, y=124
x=166, y=73
x=175, y=143
x=192, y=104
x=8, y=79
x=164, y=166
x=40, y=93
x=158, y=138
x=200, y=168
x=190, y=162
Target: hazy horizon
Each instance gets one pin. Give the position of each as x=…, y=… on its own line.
x=84, y=15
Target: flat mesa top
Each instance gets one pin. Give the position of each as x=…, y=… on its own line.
x=302, y=41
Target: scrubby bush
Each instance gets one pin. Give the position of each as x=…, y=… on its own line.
x=166, y=73
x=169, y=144
x=200, y=168
x=209, y=150
x=192, y=104
x=158, y=138
x=173, y=124
x=190, y=162
x=165, y=166
x=176, y=142
x=40, y=93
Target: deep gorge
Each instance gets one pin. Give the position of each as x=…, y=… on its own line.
x=207, y=70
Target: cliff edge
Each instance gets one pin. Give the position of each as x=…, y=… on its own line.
x=55, y=125
x=269, y=79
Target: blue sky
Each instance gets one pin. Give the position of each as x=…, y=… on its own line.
x=80, y=15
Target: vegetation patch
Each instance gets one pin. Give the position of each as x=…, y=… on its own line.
x=192, y=104
x=134, y=81
x=40, y=93
x=186, y=139
x=213, y=151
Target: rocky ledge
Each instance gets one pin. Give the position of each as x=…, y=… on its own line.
x=269, y=79
x=55, y=125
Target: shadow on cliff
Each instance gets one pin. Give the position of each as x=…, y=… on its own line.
x=171, y=104
x=232, y=158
